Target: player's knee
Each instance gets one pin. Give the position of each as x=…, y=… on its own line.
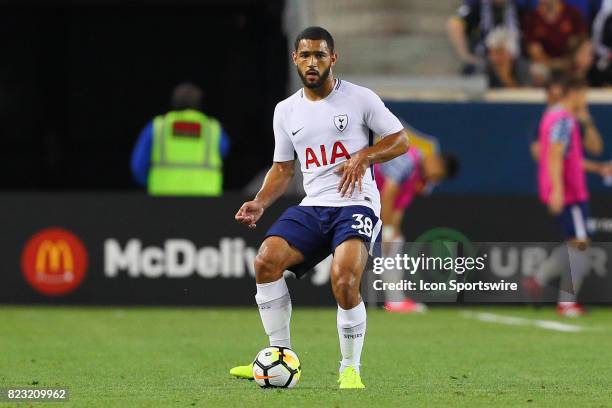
x=267, y=269
x=346, y=289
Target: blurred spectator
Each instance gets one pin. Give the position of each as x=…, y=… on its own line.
x=602, y=39
x=469, y=28
x=181, y=152
x=505, y=67
x=551, y=32
x=588, y=8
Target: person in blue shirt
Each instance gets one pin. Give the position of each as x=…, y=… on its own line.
x=185, y=96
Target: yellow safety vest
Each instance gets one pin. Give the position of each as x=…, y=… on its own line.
x=185, y=158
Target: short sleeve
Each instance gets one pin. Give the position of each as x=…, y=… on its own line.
x=561, y=132
x=378, y=117
x=283, y=147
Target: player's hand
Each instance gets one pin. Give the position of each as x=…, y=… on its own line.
x=250, y=213
x=606, y=170
x=352, y=172
x=583, y=114
x=555, y=205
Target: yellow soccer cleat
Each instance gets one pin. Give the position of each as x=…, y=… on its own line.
x=245, y=371
x=350, y=379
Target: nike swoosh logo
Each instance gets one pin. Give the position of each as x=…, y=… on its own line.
x=297, y=131
x=265, y=377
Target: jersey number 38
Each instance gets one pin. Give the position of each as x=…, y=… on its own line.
x=363, y=225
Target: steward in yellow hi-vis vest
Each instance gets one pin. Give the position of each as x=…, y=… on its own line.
x=184, y=149
x=185, y=158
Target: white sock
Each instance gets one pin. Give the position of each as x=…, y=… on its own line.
x=351, y=331
x=571, y=281
x=275, y=310
x=554, y=266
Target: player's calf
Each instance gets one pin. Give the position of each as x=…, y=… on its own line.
x=571, y=281
x=349, y=262
x=272, y=297
x=346, y=290
x=350, y=259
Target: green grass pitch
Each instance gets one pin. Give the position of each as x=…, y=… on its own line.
x=180, y=357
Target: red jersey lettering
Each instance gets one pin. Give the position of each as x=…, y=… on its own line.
x=338, y=152
x=324, y=155
x=311, y=158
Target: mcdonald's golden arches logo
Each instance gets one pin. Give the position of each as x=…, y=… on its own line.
x=54, y=261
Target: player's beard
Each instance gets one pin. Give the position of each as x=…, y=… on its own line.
x=314, y=85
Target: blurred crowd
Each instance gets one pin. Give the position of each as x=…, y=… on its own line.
x=519, y=43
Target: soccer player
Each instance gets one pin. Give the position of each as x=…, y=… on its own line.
x=330, y=125
x=590, y=135
x=592, y=143
x=562, y=187
x=399, y=181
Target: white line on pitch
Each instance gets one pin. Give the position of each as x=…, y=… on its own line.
x=521, y=321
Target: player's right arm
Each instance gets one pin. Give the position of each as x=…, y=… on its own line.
x=555, y=169
x=275, y=184
x=278, y=177
x=560, y=135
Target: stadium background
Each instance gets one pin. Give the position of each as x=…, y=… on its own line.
x=85, y=76
x=78, y=81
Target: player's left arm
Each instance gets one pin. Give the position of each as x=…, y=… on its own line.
x=593, y=142
x=354, y=168
x=602, y=169
x=394, y=142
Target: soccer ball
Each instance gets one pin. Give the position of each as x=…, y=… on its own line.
x=276, y=367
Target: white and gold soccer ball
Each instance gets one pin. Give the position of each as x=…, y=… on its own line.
x=277, y=367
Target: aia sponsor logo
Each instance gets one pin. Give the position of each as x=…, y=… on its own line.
x=54, y=262
x=338, y=151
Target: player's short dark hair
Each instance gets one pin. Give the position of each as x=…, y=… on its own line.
x=556, y=78
x=451, y=164
x=186, y=96
x=572, y=83
x=315, y=33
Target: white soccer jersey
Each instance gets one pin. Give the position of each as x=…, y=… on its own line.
x=324, y=133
